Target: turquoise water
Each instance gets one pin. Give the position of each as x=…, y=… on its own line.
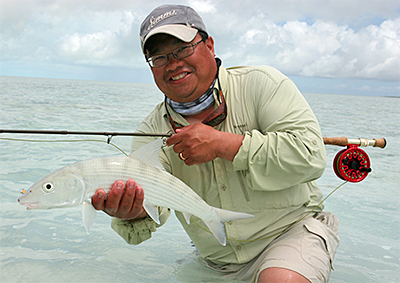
x=52, y=246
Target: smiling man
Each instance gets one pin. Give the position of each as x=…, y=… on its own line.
x=244, y=140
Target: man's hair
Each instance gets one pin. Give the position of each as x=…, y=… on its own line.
x=203, y=35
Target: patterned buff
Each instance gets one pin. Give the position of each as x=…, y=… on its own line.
x=200, y=104
x=194, y=107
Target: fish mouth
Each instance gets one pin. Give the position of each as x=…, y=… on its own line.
x=29, y=205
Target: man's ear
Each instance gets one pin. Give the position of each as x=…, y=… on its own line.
x=210, y=45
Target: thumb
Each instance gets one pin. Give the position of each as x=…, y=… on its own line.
x=181, y=129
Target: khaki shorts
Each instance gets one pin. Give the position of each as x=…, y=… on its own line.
x=307, y=248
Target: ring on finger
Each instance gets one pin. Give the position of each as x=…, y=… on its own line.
x=181, y=156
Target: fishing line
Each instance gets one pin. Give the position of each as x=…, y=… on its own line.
x=102, y=141
x=282, y=231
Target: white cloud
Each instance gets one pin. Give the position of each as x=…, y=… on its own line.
x=323, y=49
x=328, y=39
x=203, y=6
x=100, y=46
x=97, y=45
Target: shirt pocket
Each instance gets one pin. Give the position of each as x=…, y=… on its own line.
x=258, y=200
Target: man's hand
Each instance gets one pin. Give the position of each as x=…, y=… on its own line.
x=199, y=143
x=125, y=202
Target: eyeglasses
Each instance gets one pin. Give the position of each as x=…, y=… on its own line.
x=214, y=119
x=179, y=53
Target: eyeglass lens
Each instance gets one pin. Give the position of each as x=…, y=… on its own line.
x=179, y=53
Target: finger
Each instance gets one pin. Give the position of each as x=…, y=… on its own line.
x=137, y=208
x=174, y=139
x=114, y=198
x=98, y=200
x=192, y=161
x=128, y=197
x=180, y=130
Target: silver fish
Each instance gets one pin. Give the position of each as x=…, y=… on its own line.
x=76, y=184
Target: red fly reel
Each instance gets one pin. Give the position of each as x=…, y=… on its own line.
x=352, y=164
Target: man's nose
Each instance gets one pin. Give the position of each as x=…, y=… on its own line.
x=173, y=63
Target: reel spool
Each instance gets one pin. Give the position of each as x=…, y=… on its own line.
x=352, y=164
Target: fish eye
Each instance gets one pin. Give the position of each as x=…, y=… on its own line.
x=48, y=186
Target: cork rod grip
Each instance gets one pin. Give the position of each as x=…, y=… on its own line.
x=380, y=142
x=343, y=141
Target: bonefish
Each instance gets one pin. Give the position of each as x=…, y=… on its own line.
x=75, y=184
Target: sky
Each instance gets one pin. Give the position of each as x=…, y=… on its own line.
x=336, y=47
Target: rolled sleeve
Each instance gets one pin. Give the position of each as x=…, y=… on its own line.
x=135, y=232
x=240, y=162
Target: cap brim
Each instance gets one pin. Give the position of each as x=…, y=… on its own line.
x=182, y=32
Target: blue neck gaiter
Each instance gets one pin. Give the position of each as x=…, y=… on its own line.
x=200, y=104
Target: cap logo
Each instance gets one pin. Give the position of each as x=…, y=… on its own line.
x=154, y=21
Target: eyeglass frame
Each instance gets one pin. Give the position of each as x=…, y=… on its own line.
x=192, y=45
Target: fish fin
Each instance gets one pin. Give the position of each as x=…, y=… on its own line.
x=152, y=211
x=227, y=215
x=187, y=217
x=149, y=153
x=217, y=228
x=89, y=214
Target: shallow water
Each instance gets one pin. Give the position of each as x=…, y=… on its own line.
x=52, y=246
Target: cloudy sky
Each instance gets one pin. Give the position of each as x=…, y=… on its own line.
x=325, y=46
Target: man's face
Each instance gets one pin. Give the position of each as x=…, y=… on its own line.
x=186, y=79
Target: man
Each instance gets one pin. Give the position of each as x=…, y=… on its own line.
x=245, y=140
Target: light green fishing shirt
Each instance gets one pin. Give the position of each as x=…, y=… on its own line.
x=272, y=176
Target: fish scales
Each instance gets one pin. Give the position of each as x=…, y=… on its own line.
x=101, y=173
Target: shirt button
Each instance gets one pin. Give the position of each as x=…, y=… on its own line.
x=223, y=187
x=314, y=142
x=230, y=222
x=239, y=248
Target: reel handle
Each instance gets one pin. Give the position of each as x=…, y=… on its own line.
x=343, y=141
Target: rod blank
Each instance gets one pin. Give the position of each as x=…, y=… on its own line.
x=340, y=141
x=108, y=134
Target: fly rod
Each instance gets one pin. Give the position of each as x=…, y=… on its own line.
x=341, y=141
x=62, y=132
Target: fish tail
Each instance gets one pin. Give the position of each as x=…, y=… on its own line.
x=217, y=228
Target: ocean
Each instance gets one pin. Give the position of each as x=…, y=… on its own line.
x=52, y=246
